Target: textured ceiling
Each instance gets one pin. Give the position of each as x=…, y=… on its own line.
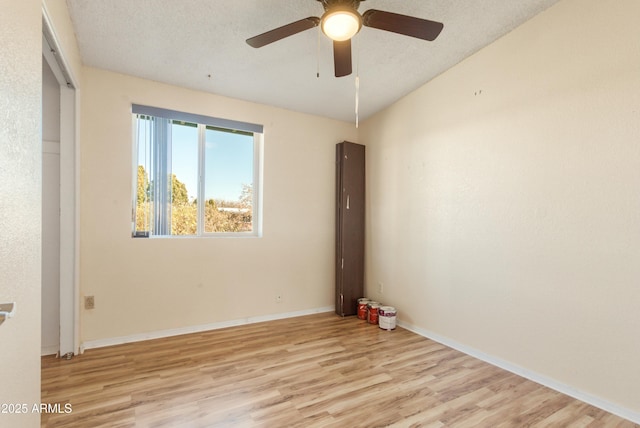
x=200, y=44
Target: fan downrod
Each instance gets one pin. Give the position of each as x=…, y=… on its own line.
x=328, y=4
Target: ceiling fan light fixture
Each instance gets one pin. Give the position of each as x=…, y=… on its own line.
x=340, y=24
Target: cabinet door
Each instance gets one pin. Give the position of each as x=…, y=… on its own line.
x=350, y=227
x=339, y=297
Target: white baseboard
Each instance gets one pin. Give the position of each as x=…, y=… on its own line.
x=528, y=374
x=101, y=343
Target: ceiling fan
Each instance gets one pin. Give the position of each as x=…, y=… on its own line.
x=341, y=21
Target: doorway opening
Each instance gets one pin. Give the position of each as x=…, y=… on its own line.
x=60, y=301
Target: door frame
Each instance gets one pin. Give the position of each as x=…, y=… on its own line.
x=69, y=189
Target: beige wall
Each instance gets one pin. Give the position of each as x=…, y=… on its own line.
x=20, y=196
x=503, y=200
x=148, y=285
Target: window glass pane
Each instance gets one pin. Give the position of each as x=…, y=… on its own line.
x=184, y=178
x=228, y=181
x=192, y=178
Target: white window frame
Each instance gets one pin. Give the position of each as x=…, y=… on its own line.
x=203, y=122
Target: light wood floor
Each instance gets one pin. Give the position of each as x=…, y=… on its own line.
x=314, y=371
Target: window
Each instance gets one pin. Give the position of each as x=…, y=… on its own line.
x=194, y=175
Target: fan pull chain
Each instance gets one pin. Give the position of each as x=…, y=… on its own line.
x=357, y=98
x=357, y=81
x=318, y=55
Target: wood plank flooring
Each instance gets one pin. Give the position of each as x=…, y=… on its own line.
x=313, y=371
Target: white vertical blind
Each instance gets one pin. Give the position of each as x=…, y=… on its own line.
x=161, y=176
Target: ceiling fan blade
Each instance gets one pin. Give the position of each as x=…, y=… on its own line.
x=402, y=24
x=282, y=32
x=342, y=57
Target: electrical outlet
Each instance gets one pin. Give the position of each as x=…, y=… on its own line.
x=380, y=288
x=89, y=302
x=279, y=298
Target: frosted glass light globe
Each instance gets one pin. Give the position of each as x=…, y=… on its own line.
x=341, y=25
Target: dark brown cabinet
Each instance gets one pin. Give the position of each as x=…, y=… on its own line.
x=350, y=182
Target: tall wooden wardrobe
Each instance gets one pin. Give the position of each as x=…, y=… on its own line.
x=350, y=181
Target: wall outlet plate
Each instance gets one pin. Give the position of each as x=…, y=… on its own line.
x=89, y=302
